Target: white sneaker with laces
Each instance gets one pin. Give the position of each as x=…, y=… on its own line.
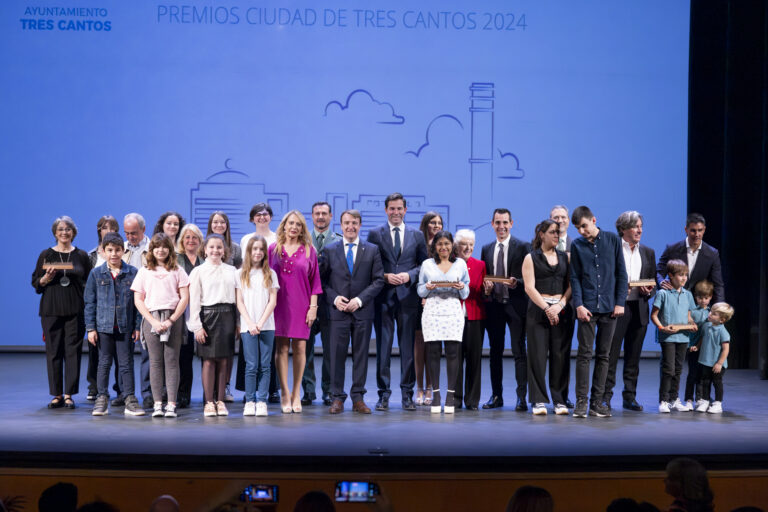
x=209, y=410
x=221, y=409
x=540, y=409
x=689, y=405
x=664, y=407
x=715, y=408
x=702, y=405
x=679, y=406
x=261, y=409
x=170, y=411
x=158, y=412
x=249, y=409
x=561, y=409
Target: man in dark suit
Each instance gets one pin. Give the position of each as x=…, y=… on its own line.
x=703, y=259
x=559, y=214
x=352, y=276
x=402, y=250
x=640, y=263
x=322, y=236
x=507, y=307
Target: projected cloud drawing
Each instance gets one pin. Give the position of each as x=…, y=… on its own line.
x=510, y=167
x=232, y=192
x=417, y=153
x=385, y=114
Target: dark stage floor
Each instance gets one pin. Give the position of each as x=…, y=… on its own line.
x=491, y=440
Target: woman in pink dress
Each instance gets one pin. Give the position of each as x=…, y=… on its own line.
x=294, y=260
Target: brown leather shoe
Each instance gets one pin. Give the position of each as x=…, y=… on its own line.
x=337, y=407
x=360, y=407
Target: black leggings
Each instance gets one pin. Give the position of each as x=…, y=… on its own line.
x=433, y=352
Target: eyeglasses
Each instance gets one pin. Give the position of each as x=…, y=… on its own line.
x=262, y=214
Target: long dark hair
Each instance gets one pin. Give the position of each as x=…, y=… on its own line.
x=541, y=228
x=161, y=221
x=433, y=246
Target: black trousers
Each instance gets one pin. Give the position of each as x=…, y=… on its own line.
x=384, y=323
x=709, y=379
x=321, y=326
x=672, y=357
x=341, y=332
x=631, y=330
x=604, y=324
x=186, y=372
x=694, y=376
x=499, y=318
x=433, y=350
x=63, y=349
x=545, y=343
x=470, y=360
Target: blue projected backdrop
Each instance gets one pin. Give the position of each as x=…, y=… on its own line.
x=461, y=106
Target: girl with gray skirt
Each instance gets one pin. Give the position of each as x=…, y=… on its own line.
x=161, y=294
x=212, y=293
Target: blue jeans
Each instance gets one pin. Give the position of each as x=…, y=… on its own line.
x=258, y=355
x=111, y=345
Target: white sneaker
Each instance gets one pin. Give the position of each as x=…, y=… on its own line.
x=540, y=409
x=448, y=409
x=249, y=409
x=715, y=408
x=209, y=410
x=702, y=405
x=170, y=411
x=261, y=409
x=221, y=409
x=664, y=407
x=561, y=409
x=689, y=405
x=679, y=406
x=158, y=412
x=435, y=409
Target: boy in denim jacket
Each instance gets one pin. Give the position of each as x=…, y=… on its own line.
x=113, y=323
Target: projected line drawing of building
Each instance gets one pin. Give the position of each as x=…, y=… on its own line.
x=233, y=192
x=371, y=207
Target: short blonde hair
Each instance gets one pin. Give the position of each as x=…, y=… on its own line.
x=195, y=231
x=723, y=309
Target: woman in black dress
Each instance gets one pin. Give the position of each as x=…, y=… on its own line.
x=61, y=310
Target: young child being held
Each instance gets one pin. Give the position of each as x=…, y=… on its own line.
x=703, y=295
x=672, y=308
x=713, y=354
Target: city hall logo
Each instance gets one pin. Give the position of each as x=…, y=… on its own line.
x=66, y=19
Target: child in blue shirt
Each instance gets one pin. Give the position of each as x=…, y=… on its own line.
x=713, y=350
x=703, y=294
x=113, y=323
x=672, y=308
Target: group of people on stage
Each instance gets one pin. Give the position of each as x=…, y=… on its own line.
x=180, y=292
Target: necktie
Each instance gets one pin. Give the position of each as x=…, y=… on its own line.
x=499, y=288
x=397, y=242
x=561, y=245
x=350, y=257
x=320, y=239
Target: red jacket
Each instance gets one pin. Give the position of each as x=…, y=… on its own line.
x=475, y=303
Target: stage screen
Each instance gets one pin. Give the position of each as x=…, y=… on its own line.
x=113, y=107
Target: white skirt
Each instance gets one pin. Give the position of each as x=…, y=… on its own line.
x=443, y=319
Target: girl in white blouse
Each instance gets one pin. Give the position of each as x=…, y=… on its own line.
x=212, y=296
x=256, y=299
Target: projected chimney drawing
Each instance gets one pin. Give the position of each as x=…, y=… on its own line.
x=481, y=156
x=232, y=192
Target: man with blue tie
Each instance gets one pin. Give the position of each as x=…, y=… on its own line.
x=322, y=236
x=402, y=250
x=353, y=276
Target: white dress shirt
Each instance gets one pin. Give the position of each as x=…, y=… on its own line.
x=505, y=243
x=209, y=285
x=392, y=227
x=354, y=258
x=633, y=263
x=693, y=255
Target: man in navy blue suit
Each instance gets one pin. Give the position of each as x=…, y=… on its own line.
x=352, y=276
x=402, y=249
x=703, y=259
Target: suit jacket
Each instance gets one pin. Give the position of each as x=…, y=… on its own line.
x=647, y=271
x=330, y=237
x=516, y=253
x=365, y=282
x=413, y=253
x=707, y=267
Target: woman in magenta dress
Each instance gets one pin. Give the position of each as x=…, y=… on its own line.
x=294, y=260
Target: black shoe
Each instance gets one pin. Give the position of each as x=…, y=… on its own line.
x=183, y=402
x=607, y=405
x=599, y=410
x=306, y=400
x=382, y=404
x=408, y=404
x=119, y=401
x=580, y=410
x=148, y=403
x=92, y=394
x=327, y=400
x=568, y=404
x=471, y=407
x=494, y=402
x=274, y=398
x=632, y=405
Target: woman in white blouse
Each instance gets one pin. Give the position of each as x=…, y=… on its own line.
x=444, y=282
x=212, y=297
